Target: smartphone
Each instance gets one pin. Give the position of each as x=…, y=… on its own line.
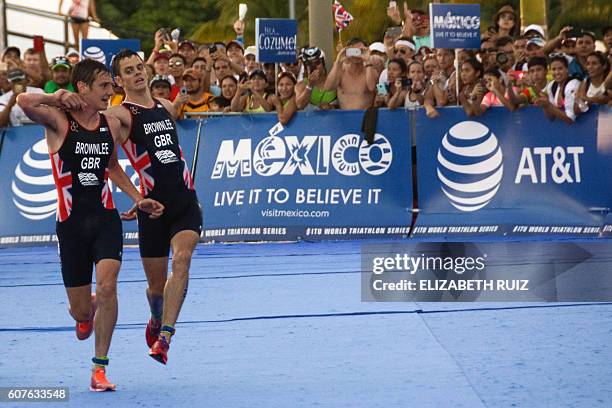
x=175, y=34
x=39, y=43
x=381, y=89
x=393, y=32
x=392, y=4
x=166, y=35
x=406, y=82
x=574, y=33
x=353, y=52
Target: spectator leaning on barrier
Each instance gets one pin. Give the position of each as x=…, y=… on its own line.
x=229, y=87
x=535, y=81
x=310, y=93
x=354, y=75
x=558, y=100
x=393, y=93
x=10, y=112
x=498, y=94
x=593, y=89
x=61, y=70
x=472, y=90
x=251, y=95
x=160, y=87
x=284, y=100
x=192, y=97
x=418, y=86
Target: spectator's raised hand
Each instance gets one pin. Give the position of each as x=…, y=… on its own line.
x=341, y=56
x=394, y=13
x=314, y=75
x=239, y=26
x=159, y=38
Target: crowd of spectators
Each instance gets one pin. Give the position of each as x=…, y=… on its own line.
x=563, y=75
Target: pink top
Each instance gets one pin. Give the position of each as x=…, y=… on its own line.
x=491, y=100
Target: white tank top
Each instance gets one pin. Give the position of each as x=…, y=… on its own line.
x=596, y=90
x=79, y=9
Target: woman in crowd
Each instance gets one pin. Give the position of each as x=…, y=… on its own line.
x=593, y=89
x=229, y=87
x=393, y=93
x=558, y=100
x=472, y=90
x=506, y=23
x=497, y=94
x=284, y=101
x=251, y=95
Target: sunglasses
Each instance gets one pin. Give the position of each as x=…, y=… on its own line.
x=400, y=51
x=176, y=64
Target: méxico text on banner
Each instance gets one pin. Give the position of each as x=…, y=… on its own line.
x=317, y=179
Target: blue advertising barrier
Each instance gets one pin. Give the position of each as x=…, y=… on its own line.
x=511, y=174
x=29, y=201
x=316, y=179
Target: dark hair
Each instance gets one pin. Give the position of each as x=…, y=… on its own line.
x=231, y=77
x=560, y=58
x=588, y=34
x=30, y=51
x=503, y=41
x=219, y=60
x=492, y=71
x=602, y=60
x=121, y=55
x=196, y=59
x=288, y=75
x=606, y=30
x=533, y=61
x=402, y=64
x=356, y=40
x=86, y=71
x=476, y=65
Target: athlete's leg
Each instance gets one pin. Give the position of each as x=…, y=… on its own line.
x=107, y=271
x=156, y=270
x=183, y=245
x=79, y=298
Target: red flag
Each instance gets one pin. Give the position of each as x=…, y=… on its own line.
x=342, y=17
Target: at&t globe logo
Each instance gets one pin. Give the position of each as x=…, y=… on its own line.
x=33, y=187
x=95, y=53
x=470, y=165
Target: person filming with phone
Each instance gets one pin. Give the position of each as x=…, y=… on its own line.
x=191, y=96
x=10, y=112
x=354, y=75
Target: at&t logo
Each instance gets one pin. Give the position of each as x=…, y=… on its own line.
x=470, y=165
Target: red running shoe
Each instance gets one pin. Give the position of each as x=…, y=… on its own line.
x=85, y=328
x=152, y=332
x=99, y=382
x=159, y=350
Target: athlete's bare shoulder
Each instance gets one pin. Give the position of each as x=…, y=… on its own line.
x=121, y=113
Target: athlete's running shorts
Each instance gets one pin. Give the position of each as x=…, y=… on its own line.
x=154, y=235
x=86, y=239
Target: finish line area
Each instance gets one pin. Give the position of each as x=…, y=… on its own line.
x=284, y=325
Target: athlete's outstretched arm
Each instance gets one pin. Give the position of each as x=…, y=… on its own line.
x=170, y=108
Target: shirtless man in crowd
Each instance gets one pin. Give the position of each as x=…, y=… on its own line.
x=354, y=76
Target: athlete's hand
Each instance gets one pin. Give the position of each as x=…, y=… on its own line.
x=153, y=207
x=70, y=100
x=129, y=215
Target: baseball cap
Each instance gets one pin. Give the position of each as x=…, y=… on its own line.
x=161, y=55
x=16, y=75
x=11, y=48
x=250, y=50
x=536, y=41
x=193, y=73
x=232, y=43
x=378, y=47
x=187, y=42
x=534, y=27
x=60, y=61
x=259, y=73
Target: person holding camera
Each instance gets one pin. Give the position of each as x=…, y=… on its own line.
x=310, y=93
x=251, y=95
x=354, y=75
x=10, y=112
x=192, y=97
x=393, y=94
x=498, y=94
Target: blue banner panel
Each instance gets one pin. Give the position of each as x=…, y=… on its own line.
x=105, y=50
x=510, y=174
x=317, y=179
x=29, y=201
x=455, y=25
